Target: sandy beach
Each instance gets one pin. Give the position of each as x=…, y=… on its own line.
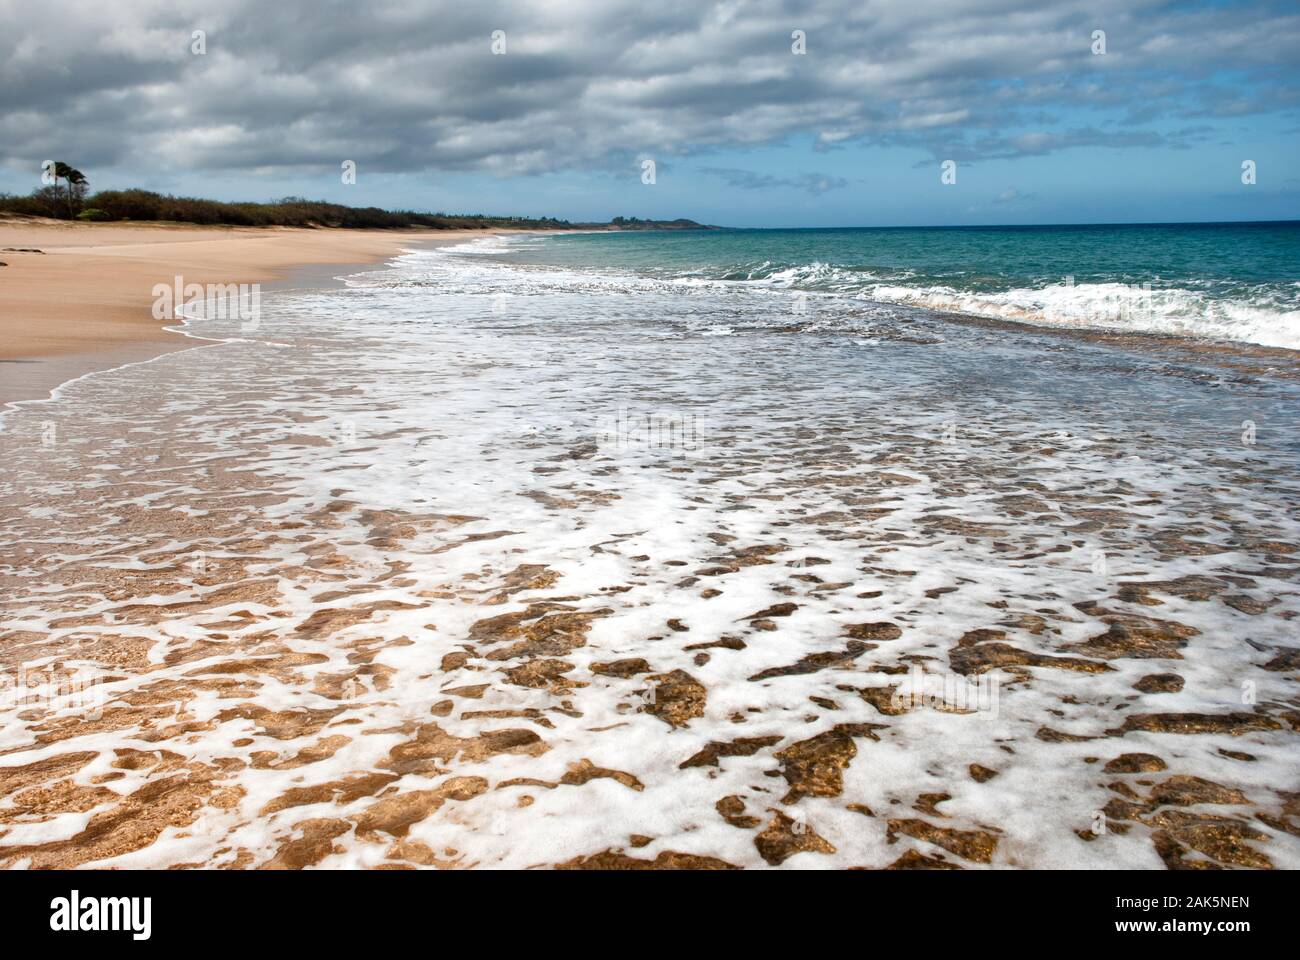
x=476, y=561
x=608, y=438
x=83, y=302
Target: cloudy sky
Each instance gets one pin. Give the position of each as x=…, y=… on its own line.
x=558, y=114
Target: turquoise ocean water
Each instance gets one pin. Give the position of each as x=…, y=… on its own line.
x=1236, y=282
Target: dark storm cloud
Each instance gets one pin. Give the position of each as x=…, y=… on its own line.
x=407, y=86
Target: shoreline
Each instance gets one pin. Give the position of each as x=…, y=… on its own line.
x=100, y=317
x=83, y=303
x=383, y=589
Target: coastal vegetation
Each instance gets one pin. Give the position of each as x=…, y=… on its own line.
x=67, y=199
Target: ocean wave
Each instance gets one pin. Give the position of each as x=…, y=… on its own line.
x=1114, y=306
x=481, y=246
x=1263, y=314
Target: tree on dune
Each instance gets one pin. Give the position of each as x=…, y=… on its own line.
x=76, y=181
x=77, y=184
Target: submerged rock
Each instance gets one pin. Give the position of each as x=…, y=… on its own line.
x=1133, y=636
x=785, y=836
x=980, y=650
x=742, y=747
x=976, y=845
x=1159, y=683
x=732, y=809
x=668, y=860
x=677, y=698
x=813, y=767
x=814, y=662
x=915, y=860
x=621, y=668
x=1135, y=763
x=1234, y=724
x=873, y=631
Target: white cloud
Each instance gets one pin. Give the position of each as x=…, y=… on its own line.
x=405, y=87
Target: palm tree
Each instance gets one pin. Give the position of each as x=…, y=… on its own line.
x=77, y=183
x=61, y=171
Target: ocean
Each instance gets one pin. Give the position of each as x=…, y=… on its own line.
x=1229, y=281
x=754, y=548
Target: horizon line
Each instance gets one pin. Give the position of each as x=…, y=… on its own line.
x=1000, y=226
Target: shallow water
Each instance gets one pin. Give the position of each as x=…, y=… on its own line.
x=484, y=563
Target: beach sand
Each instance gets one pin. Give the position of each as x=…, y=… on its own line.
x=84, y=302
x=467, y=565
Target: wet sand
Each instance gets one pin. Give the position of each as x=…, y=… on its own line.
x=84, y=301
x=416, y=581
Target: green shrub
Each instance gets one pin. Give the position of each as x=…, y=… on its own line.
x=145, y=205
x=45, y=202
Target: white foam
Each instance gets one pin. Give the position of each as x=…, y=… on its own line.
x=1115, y=306
x=409, y=390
